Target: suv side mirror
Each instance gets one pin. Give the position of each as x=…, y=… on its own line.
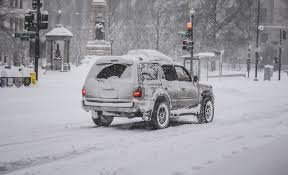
x=195, y=79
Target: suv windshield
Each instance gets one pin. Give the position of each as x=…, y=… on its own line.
x=107, y=71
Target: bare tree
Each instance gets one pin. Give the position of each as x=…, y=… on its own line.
x=218, y=14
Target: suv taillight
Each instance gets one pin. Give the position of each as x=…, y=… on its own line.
x=138, y=92
x=83, y=92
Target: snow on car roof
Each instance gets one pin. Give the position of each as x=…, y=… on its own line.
x=114, y=59
x=150, y=55
x=136, y=56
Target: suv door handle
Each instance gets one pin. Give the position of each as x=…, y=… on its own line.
x=183, y=89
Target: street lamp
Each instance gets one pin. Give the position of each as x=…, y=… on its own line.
x=111, y=42
x=192, y=14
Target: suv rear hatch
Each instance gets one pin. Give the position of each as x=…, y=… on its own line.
x=110, y=81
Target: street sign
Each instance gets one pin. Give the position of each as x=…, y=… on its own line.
x=27, y=81
x=18, y=35
x=29, y=35
x=261, y=28
x=25, y=39
x=25, y=36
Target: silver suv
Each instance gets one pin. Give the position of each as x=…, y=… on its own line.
x=145, y=84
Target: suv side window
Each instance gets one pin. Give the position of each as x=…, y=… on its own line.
x=169, y=72
x=148, y=71
x=182, y=74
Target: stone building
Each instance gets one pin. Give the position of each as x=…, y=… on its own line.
x=14, y=24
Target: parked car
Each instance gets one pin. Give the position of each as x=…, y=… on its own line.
x=145, y=84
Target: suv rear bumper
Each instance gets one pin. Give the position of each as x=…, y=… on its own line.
x=111, y=107
x=123, y=109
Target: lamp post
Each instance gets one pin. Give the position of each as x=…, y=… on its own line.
x=257, y=42
x=111, y=42
x=192, y=13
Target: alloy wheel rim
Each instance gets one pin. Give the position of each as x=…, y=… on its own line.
x=209, y=111
x=162, y=115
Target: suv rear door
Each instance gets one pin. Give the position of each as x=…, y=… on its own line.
x=170, y=85
x=188, y=91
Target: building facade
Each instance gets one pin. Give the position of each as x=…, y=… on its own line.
x=273, y=13
x=14, y=23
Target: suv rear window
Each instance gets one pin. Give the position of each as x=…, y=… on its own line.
x=106, y=71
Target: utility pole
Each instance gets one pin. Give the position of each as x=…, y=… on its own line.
x=37, y=37
x=280, y=54
x=257, y=42
x=111, y=42
x=192, y=13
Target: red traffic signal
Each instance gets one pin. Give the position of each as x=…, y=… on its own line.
x=189, y=26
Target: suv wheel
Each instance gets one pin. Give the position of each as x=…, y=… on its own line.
x=102, y=120
x=206, y=112
x=160, y=115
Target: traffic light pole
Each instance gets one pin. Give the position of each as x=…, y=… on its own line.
x=257, y=42
x=37, y=39
x=192, y=46
x=280, y=54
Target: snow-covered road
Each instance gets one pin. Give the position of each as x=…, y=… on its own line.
x=43, y=130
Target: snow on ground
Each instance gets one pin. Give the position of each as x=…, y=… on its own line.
x=43, y=130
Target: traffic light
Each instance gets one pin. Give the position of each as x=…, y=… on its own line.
x=189, y=26
x=217, y=53
x=44, y=21
x=34, y=4
x=248, y=61
x=284, y=33
x=29, y=21
x=249, y=53
x=276, y=60
x=189, y=29
x=184, y=45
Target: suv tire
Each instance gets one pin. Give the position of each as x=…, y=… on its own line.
x=206, y=111
x=103, y=120
x=161, y=115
